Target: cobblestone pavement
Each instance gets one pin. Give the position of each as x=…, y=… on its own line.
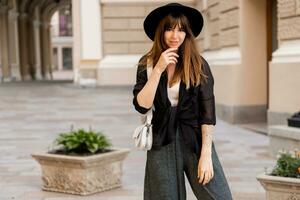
x=33, y=114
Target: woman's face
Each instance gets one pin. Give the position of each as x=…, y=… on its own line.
x=174, y=37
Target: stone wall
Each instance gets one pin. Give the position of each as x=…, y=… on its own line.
x=288, y=19
x=122, y=26
x=123, y=29
x=221, y=24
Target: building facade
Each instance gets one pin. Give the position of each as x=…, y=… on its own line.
x=252, y=46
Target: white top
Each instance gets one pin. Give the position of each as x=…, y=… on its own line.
x=173, y=94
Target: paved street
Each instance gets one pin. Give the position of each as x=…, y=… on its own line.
x=33, y=114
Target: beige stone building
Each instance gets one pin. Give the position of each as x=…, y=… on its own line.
x=252, y=46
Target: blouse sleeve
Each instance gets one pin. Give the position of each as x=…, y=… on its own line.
x=141, y=80
x=206, y=97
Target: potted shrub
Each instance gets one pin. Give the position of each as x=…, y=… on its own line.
x=283, y=182
x=81, y=162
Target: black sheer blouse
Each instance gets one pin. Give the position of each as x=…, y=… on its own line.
x=196, y=106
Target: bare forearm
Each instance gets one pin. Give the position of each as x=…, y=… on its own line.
x=207, y=131
x=146, y=96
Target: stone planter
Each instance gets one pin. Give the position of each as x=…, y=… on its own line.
x=280, y=188
x=81, y=175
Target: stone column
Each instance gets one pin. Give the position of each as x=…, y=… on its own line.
x=45, y=50
x=252, y=79
x=50, y=52
x=24, y=68
x=31, y=48
x=14, y=45
x=87, y=41
x=6, y=71
x=37, y=48
x=60, y=58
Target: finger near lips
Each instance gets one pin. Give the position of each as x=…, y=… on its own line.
x=173, y=60
x=173, y=57
x=172, y=54
x=171, y=49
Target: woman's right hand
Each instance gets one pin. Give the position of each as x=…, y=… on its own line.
x=167, y=57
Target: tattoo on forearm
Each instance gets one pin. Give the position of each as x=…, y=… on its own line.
x=207, y=138
x=207, y=131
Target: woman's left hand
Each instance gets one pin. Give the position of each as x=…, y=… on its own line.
x=205, y=168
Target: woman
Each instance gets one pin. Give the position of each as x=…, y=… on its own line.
x=181, y=89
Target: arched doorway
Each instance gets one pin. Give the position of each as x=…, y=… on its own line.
x=62, y=44
x=25, y=42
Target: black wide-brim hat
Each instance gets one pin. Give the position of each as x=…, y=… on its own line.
x=193, y=15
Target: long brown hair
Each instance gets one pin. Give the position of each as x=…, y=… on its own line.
x=189, y=66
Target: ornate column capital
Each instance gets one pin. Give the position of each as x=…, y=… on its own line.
x=13, y=15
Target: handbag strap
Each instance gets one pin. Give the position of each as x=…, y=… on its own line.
x=149, y=113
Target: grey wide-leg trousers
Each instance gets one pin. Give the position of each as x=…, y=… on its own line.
x=164, y=174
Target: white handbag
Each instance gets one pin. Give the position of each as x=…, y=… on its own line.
x=142, y=135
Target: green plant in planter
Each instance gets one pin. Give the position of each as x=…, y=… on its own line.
x=82, y=142
x=288, y=165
